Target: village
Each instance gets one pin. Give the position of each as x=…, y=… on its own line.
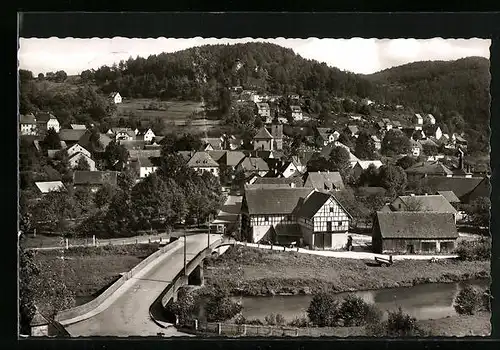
x=244, y=211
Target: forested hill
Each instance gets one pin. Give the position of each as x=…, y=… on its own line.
x=200, y=71
x=443, y=88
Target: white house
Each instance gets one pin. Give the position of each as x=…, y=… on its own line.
x=76, y=148
x=27, y=124
x=263, y=110
x=116, y=97
x=145, y=166
x=295, y=112
x=149, y=135
x=202, y=162
x=416, y=147
x=53, y=123
x=417, y=120
x=290, y=214
x=50, y=186
x=76, y=157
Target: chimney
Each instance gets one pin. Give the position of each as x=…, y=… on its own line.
x=460, y=159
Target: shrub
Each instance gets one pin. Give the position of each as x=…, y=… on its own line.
x=299, y=321
x=357, y=312
x=274, y=320
x=323, y=310
x=255, y=322
x=400, y=324
x=474, y=250
x=220, y=308
x=468, y=301
x=486, y=299
x=184, y=307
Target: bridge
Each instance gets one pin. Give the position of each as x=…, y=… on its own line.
x=128, y=311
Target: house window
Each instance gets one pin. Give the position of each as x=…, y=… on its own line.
x=331, y=209
x=399, y=206
x=339, y=223
x=266, y=218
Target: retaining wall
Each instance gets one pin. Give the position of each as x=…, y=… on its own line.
x=83, y=309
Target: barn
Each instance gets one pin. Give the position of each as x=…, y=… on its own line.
x=402, y=232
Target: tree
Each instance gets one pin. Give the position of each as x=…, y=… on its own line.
x=395, y=142
x=406, y=162
x=429, y=149
x=25, y=75
x=357, y=312
x=479, y=211
x=340, y=161
x=41, y=76
x=413, y=204
x=28, y=271
x=467, y=301
x=318, y=163
x=393, y=179
x=220, y=307
x=51, y=140
x=60, y=76
x=370, y=176
x=87, y=76
x=323, y=310
x=345, y=140
x=126, y=180
x=118, y=218
x=115, y=156
x=82, y=164
x=365, y=147
x=103, y=196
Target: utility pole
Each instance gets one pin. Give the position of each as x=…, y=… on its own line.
x=185, y=252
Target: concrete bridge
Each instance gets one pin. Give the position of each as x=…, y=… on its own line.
x=131, y=310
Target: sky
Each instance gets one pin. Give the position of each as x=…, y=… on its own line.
x=357, y=55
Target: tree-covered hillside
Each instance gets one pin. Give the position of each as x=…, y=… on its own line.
x=455, y=92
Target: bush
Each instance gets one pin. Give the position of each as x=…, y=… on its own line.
x=275, y=320
x=184, y=307
x=220, y=308
x=399, y=324
x=486, y=299
x=357, y=312
x=468, y=301
x=474, y=250
x=323, y=310
x=299, y=321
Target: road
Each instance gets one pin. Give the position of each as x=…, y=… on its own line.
x=127, y=312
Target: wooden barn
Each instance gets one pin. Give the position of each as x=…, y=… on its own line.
x=403, y=232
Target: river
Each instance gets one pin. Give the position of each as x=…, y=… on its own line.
x=424, y=301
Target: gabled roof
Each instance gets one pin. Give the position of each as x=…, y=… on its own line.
x=78, y=127
x=450, y=196
x=416, y=225
x=233, y=158
x=353, y=129
x=431, y=203
x=202, y=159
x=44, y=117
x=263, y=134
x=48, y=186
x=85, y=139
x=146, y=162
x=461, y=186
x=262, y=105
x=80, y=154
x=217, y=155
x=365, y=164
x=274, y=200
x=136, y=153
x=254, y=163
x=312, y=204
x=428, y=142
x=133, y=144
x=273, y=181
x=71, y=135
x=113, y=94
x=27, y=119
x=95, y=177
x=215, y=142
x=324, y=180
x=430, y=168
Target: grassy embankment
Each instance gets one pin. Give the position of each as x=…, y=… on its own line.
x=87, y=271
x=251, y=271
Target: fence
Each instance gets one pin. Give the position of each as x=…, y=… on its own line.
x=226, y=329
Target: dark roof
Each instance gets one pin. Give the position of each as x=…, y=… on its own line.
x=431, y=203
x=144, y=153
x=461, y=186
x=274, y=200
x=147, y=162
x=313, y=203
x=263, y=134
x=27, y=119
x=72, y=135
x=44, y=117
x=324, y=180
x=279, y=181
x=450, y=196
x=217, y=155
x=85, y=139
x=202, y=159
x=416, y=225
x=232, y=158
x=430, y=168
x=95, y=177
x=254, y=163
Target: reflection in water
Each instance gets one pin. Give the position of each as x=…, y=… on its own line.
x=426, y=301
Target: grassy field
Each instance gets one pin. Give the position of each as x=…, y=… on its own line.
x=459, y=326
x=88, y=271
x=152, y=109
x=251, y=271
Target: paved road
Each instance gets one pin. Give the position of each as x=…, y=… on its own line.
x=127, y=313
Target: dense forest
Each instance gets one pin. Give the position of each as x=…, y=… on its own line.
x=456, y=92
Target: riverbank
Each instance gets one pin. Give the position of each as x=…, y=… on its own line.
x=454, y=326
x=254, y=272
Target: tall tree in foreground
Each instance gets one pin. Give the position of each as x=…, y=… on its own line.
x=365, y=147
x=27, y=273
x=393, y=179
